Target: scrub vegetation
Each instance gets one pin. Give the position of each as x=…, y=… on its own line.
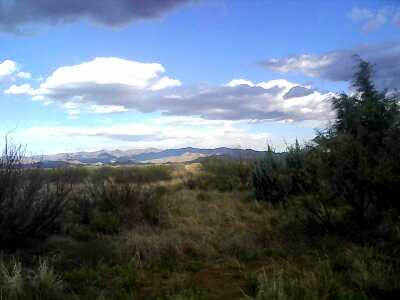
x=320, y=221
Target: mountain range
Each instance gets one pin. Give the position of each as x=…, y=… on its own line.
x=141, y=156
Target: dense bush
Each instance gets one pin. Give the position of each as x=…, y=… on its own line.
x=269, y=178
x=107, y=207
x=353, y=166
x=30, y=203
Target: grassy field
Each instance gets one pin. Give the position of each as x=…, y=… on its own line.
x=191, y=232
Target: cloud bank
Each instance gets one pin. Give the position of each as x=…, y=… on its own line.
x=113, y=85
x=339, y=65
x=15, y=15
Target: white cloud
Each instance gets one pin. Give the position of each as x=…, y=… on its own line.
x=107, y=109
x=7, y=69
x=306, y=63
x=113, y=85
x=19, y=90
x=10, y=72
x=164, y=83
x=236, y=82
x=107, y=70
x=112, y=77
x=24, y=75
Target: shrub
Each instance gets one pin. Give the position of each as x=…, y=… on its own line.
x=131, y=204
x=29, y=203
x=269, y=178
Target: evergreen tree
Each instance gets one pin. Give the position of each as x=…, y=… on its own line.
x=360, y=150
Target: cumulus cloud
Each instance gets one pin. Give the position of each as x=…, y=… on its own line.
x=99, y=82
x=24, y=75
x=339, y=65
x=7, y=69
x=112, y=85
x=16, y=15
x=374, y=19
x=10, y=71
x=252, y=101
x=19, y=89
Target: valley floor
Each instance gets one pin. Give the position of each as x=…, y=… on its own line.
x=185, y=232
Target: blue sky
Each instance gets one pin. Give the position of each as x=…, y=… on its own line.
x=199, y=47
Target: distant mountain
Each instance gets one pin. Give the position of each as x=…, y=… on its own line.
x=139, y=156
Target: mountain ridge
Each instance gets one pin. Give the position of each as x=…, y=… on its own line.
x=149, y=155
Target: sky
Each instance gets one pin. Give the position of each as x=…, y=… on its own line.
x=129, y=74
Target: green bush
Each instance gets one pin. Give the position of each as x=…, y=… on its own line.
x=30, y=203
x=269, y=178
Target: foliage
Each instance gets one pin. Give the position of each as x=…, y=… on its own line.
x=351, y=168
x=30, y=203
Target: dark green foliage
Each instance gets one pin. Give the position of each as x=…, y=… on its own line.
x=360, y=160
x=30, y=203
x=351, y=168
x=269, y=179
x=278, y=176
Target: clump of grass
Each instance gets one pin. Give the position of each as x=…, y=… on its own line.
x=17, y=283
x=149, y=247
x=11, y=279
x=289, y=282
x=46, y=282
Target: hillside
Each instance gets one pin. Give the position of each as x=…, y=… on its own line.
x=150, y=155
